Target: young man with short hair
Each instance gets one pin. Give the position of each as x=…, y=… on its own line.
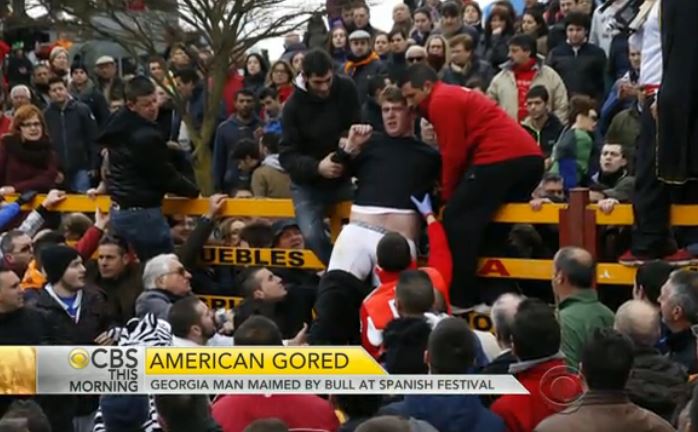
x=580, y=64
x=73, y=132
x=140, y=174
x=523, y=71
x=322, y=108
x=612, y=184
x=269, y=98
x=270, y=180
x=487, y=160
x=544, y=126
x=243, y=124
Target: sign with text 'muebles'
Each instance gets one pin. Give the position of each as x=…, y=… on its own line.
x=208, y=370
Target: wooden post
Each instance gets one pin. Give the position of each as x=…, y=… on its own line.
x=578, y=223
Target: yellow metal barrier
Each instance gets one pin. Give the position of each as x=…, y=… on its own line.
x=302, y=259
x=511, y=268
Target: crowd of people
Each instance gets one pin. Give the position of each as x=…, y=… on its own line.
x=428, y=128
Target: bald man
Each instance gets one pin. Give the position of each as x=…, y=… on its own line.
x=655, y=380
x=580, y=311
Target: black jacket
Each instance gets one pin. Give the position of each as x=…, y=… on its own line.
x=362, y=74
x=121, y=293
x=548, y=136
x=397, y=65
x=94, y=99
x=24, y=326
x=656, y=383
x=583, y=71
x=73, y=131
x=682, y=349
x=371, y=114
x=63, y=330
x=139, y=170
x=313, y=127
x=289, y=314
x=479, y=70
x=404, y=341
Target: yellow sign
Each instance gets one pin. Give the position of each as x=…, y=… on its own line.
x=217, y=302
x=261, y=361
x=286, y=258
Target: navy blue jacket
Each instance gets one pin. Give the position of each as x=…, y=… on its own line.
x=228, y=134
x=452, y=413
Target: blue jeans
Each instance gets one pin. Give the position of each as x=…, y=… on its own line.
x=145, y=229
x=79, y=182
x=311, y=204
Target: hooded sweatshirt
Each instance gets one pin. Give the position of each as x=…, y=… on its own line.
x=270, y=180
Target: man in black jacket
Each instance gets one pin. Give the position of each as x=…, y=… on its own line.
x=322, y=108
x=362, y=62
x=465, y=68
x=83, y=89
x=76, y=315
x=656, y=382
x=581, y=65
x=73, y=131
x=139, y=172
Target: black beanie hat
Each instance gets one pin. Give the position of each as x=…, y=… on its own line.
x=55, y=260
x=76, y=66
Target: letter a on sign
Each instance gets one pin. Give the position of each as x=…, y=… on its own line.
x=493, y=267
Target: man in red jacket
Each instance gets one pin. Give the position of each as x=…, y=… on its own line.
x=394, y=256
x=487, y=160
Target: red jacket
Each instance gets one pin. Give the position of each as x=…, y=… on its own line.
x=472, y=130
x=378, y=308
x=522, y=413
x=300, y=412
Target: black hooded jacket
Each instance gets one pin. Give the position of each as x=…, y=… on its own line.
x=140, y=172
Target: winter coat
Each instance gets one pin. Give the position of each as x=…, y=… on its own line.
x=73, y=131
x=656, y=383
x=61, y=329
x=452, y=413
x=604, y=412
x=546, y=137
x=624, y=129
x=121, y=292
x=503, y=90
x=361, y=70
x=140, y=173
x=495, y=48
x=313, y=127
x=522, y=413
x=94, y=99
x=583, y=69
x=25, y=326
x=618, y=186
x=478, y=70
x=155, y=301
x=27, y=165
x=270, y=180
x=112, y=91
x=229, y=133
x=572, y=156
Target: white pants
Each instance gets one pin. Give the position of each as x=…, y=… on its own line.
x=355, y=251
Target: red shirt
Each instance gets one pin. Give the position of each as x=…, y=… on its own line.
x=307, y=413
x=378, y=308
x=523, y=76
x=472, y=130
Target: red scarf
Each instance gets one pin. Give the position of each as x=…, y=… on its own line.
x=523, y=75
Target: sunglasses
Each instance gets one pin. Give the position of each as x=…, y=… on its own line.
x=415, y=59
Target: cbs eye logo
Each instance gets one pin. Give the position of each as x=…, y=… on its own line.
x=103, y=358
x=561, y=387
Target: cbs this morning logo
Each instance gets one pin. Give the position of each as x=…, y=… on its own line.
x=103, y=358
x=562, y=387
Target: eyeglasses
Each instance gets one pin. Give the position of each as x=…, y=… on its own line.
x=180, y=271
x=414, y=59
x=31, y=125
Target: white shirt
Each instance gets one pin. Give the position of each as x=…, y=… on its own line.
x=602, y=33
x=648, y=39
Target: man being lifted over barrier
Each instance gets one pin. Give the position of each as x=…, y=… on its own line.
x=389, y=168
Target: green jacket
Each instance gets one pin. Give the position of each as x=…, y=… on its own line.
x=580, y=315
